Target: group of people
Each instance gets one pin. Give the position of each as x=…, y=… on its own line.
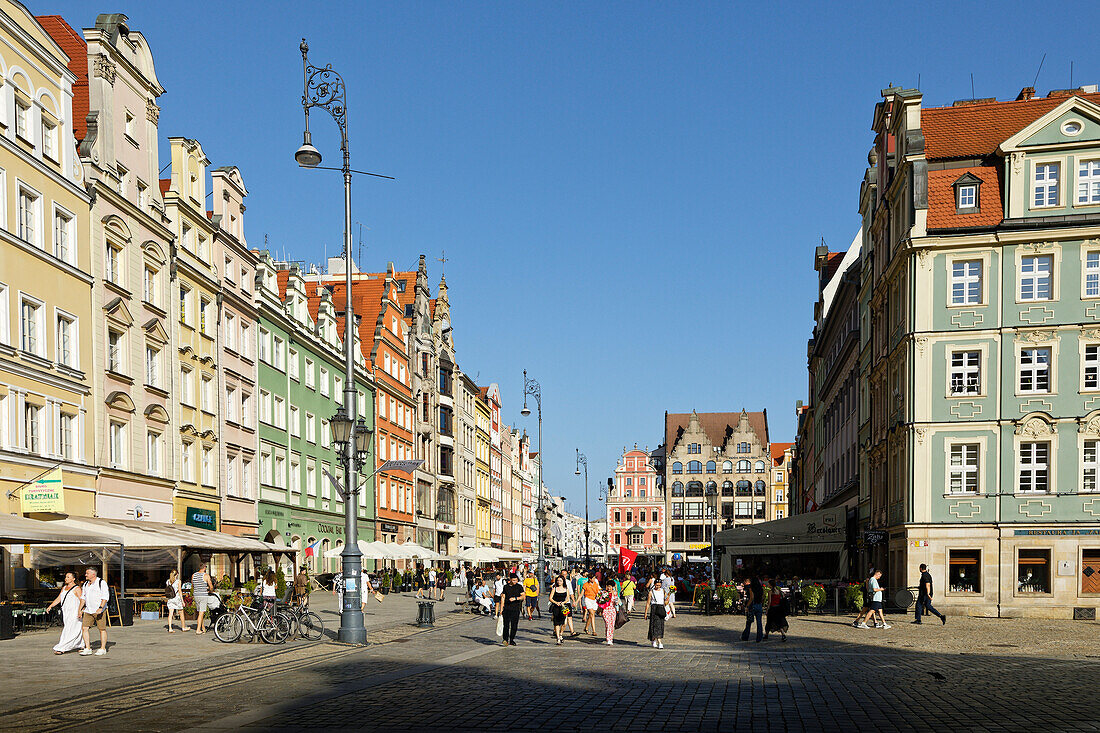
x=82, y=607
x=873, y=601
x=766, y=605
x=431, y=580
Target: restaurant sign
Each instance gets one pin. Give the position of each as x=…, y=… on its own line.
x=1056, y=532
x=44, y=494
x=202, y=518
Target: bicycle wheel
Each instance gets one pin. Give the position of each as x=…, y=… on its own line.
x=274, y=630
x=310, y=626
x=291, y=622
x=227, y=628
x=248, y=627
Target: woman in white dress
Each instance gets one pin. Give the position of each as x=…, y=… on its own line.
x=175, y=603
x=69, y=600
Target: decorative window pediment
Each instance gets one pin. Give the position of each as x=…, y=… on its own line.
x=154, y=331
x=117, y=311
x=1036, y=425
x=120, y=401
x=967, y=190
x=156, y=413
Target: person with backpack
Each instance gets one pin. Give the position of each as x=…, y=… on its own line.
x=174, y=596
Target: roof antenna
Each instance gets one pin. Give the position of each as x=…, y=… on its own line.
x=359, y=256
x=972, y=94
x=1039, y=69
x=918, y=81
x=1071, y=75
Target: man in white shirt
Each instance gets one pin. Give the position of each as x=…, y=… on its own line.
x=93, y=611
x=431, y=582
x=498, y=588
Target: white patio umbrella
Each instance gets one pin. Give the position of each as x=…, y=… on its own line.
x=371, y=551
x=478, y=555
x=509, y=555
x=413, y=551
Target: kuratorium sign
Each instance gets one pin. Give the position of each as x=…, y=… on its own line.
x=44, y=494
x=404, y=466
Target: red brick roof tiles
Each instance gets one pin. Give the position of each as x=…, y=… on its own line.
x=73, y=44
x=941, y=199
x=778, y=451
x=715, y=425
x=975, y=130
x=165, y=184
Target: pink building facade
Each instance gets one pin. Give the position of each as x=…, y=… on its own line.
x=636, y=506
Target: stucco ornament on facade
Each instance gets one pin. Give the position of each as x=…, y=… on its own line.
x=152, y=111
x=1090, y=426
x=1017, y=163
x=1036, y=337
x=1038, y=247
x=104, y=68
x=1035, y=427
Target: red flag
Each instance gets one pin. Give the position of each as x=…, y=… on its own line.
x=626, y=559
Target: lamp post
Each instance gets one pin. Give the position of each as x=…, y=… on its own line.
x=533, y=389
x=582, y=460
x=712, y=509
x=324, y=88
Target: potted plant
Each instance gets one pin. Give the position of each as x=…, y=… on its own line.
x=853, y=596
x=814, y=595
x=150, y=611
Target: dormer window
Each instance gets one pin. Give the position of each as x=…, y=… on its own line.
x=966, y=194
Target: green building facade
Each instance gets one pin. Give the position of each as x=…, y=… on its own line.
x=301, y=373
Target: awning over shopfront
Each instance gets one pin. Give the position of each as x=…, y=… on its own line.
x=140, y=535
x=20, y=530
x=823, y=531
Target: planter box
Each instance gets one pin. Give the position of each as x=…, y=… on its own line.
x=149, y=615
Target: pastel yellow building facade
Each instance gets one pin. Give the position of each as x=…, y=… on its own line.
x=46, y=409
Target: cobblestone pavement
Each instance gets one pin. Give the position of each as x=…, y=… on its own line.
x=974, y=674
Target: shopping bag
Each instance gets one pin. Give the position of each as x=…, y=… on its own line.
x=500, y=626
x=621, y=618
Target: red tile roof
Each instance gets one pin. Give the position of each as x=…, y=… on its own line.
x=73, y=44
x=941, y=198
x=165, y=184
x=975, y=130
x=778, y=451
x=715, y=425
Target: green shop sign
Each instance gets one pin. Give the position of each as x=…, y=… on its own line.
x=202, y=518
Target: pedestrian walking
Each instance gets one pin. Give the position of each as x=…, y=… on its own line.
x=629, y=586
x=173, y=595
x=531, y=591
x=432, y=575
x=668, y=585
x=655, y=612
x=510, y=606
x=589, y=592
x=420, y=581
x=267, y=590
x=924, y=596
x=560, y=597
x=754, y=608
x=441, y=583
x=72, y=634
x=301, y=588
x=778, y=609
x=200, y=591
x=95, y=594
x=874, y=591
x=609, y=609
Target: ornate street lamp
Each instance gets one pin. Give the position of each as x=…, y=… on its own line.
x=324, y=88
x=534, y=390
x=712, y=509
x=582, y=460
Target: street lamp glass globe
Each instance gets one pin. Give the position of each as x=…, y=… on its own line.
x=308, y=156
x=526, y=411
x=341, y=427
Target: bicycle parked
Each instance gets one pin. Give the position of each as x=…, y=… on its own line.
x=248, y=621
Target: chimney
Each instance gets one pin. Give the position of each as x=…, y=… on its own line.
x=1025, y=94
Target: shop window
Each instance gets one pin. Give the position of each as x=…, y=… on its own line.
x=1033, y=571
x=1090, y=571
x=964, y=571
x=677, y=533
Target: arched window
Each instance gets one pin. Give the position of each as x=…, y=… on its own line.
x=711, y=486
x=743, y=466
x=760, y=467
x=744, y=488
x=677, y=488
x=759, y=488
x=712, y=467
x=727, y=466
x=695, y=488
x=727, y=488
x=677, y=467
x=695, y=467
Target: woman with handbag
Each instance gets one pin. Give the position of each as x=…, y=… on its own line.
x=655, y=610
x=69, y=600
x=560, y=597
x=174, y=598
x=609, y=609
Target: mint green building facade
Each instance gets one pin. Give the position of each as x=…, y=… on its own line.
x=301, y=372
x=980, y=351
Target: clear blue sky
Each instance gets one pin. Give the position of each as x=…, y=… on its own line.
x=629, y=194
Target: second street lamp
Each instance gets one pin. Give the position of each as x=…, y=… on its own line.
x=534, y=390
x=582, y=460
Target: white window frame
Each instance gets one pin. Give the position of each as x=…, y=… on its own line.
x=1090, y=273
x=49, y=139
x=265, y=406
x=29, y=223
x=1090, y=367
x=33, y=439
x=66, y=435
x=1088, y=175
x=264, y=353
x=5, y=315
x=292, y=363
x=964, y=464
x=187, y=385
x=1027, y=364
x=35, y=335
x=969, y=366
x=1041, y=187
x=64, y=234
x=230, y=331
x=967, y=196
x=116, y=444
x=1030, y=469
x=323, y=384
x=1034, y=278
x=206, y=393
x=187, y=461
x=154, y=455
x=153, y=366
x=149, y=285
x=73, y=338
x=1090, y=465
x=295, y=421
